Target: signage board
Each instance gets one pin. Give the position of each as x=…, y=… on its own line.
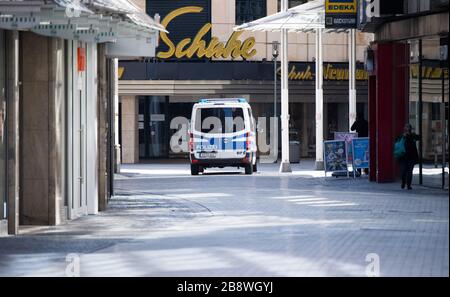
x=341, y=14
x=348, y=138
x=335, y=156
x=361, y=153
x=190, y=38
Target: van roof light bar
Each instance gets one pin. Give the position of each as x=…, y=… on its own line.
x=223, y=100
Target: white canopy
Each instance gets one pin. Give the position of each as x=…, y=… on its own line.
x=308, y=17
x=305, y=17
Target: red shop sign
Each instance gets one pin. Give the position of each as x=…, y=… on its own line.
x=81, y=57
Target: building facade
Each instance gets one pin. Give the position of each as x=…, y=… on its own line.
x=58, y=77
x=203, y=57
x=408, y=83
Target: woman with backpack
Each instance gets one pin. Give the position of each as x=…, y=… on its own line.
x=407, y=155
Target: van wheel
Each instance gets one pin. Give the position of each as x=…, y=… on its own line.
x=194, y=169
x=249, y=169
x=255, y=168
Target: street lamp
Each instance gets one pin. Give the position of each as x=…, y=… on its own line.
x=275, y=54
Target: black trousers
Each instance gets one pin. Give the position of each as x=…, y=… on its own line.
x=407, y=168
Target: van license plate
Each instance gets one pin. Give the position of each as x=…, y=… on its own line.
x=208, y=155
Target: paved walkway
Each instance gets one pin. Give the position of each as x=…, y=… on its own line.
x=164, y=222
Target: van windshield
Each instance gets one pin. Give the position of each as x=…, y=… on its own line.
x=219, y=120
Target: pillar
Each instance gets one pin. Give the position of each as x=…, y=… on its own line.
x=12, y=97
x=391, y=64
x=130, y=135
x=319, y=100
x=102, y=110
x=42, y=130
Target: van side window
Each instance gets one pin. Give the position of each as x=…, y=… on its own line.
x=252, y=120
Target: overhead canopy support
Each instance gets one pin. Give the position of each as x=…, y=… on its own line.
x=309, y=18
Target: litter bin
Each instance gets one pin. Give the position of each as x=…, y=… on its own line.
x=294, y=152
x=294, y=146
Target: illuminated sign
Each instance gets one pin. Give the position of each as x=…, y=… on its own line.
x=340, y=14
x=340, y=6
x=201, y=48
x=330, y=72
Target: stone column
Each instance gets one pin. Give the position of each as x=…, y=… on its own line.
x=102, y=109
x=56, y=132
x=130, y=135
x=42, y=130
x=12, y=97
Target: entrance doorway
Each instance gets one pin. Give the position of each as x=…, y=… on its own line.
x=154, y=127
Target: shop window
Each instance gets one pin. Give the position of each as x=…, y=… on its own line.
x=250, y=10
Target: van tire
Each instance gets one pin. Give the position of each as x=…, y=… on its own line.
x=194, y=169
x=249, y=169
x=255, y=168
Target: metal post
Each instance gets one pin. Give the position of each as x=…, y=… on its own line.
x=275, y=87
x=117, y=148
x=352, y=77
x=275, y=102
x=285, y=164
x=319, y=101
x=443, y=127
x=420, y=116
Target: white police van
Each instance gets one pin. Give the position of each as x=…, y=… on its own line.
x=222, y=134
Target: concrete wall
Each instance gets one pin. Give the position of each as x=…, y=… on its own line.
x=130, y=136
x=42, y=131
x=140, y=4
x=419, y=27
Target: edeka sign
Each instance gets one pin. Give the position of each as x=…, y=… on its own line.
x=198, y=47
x=340, y=14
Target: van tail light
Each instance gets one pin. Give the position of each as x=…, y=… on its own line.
x=247, y=141
x=191, y=142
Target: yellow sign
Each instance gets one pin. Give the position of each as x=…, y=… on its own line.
x=188, y=47
x=340, y=6
x=330, y=72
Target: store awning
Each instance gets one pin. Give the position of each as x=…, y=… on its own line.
x=303, y=18
x=98, y=21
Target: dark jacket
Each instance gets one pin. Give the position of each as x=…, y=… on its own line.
x=361, y=127
x=411, y=148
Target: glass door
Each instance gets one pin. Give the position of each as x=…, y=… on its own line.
x=153, y=127
x=428, y=110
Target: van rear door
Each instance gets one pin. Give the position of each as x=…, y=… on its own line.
x=219, y=132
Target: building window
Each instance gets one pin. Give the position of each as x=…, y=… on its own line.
x=292, y=3
x=250, y=10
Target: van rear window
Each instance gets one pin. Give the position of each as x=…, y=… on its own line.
x=219, y=120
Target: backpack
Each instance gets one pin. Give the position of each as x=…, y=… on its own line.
x=399, y=148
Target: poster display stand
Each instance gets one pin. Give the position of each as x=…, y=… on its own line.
x=335, y=157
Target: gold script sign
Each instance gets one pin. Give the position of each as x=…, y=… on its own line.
x=189, y=47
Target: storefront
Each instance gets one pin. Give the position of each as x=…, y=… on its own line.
x=429, y=107
x=59, y=88
x=409, y=83
x=203, y=57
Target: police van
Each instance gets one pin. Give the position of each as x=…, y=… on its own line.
x=222, y=134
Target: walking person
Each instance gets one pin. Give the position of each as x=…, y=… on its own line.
x=409, y=157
